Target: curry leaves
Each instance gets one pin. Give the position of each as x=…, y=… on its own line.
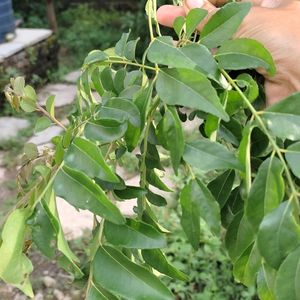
x=240, y=170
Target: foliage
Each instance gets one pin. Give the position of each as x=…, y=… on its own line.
x=82, y=29
x=249, y=158
x=209, y=268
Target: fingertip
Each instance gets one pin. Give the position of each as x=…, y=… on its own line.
x=167, y=14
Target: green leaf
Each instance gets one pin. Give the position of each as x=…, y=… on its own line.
x=121, y=44
x=133, y=78
x=283, y=118
x=155, y=199
x=142, y=101
x=70, y=259
x=120, y=110
x=50, y=105
x=191, y=89
x=15, y=266
x=105, y=130
x=247, y=266
x=96, y=80
x=86, y=156
x=132, y=281
x=42, y=231
x=193, y=19
x=59, y=152
x=131, y=192
x=293, y=158
x=84, y=86
x=265, y=283
x=130, y=92
x=130, y=49
x=154, y=180
x=221, y=187
x=42, y=123
x=173, y=134
x=231, y=131
x=245, y=81
x=99, y=293
x=105, y=185
x=81, y=192
x=194, y=56
x=259, y=142
x=178, y=25
x=288, y=277
x=119, y=80
x=278, y=235
x=197, y=201
x=157, y=260
x=239, y=236
x=31, y=151
x=95, y=56
x=152, y=157
x=18, y=85
x=207, y=155
x=107, y=79
x=208, y=207
x=241, y=54
x=28, y=105
x=30, y=94
x=67, y=137
x=190, y=218
x=267, y=191
x=232, y=207
x=223, y=24
x=134, y=234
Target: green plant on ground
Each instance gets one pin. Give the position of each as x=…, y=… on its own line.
x=209, y=268
x=252, y=200
x=83, y=29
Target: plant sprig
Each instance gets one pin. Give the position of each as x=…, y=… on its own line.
x=242, y=173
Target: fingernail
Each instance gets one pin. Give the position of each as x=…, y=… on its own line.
x=195, y=3
x=270, y=4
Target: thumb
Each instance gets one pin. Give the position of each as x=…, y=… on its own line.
x=204, y=4
x=276, y=91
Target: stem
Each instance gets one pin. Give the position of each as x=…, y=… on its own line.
x=41, y=109
x=108, y=151
x=277, y=149
x=125, y=62
x=91, y=273
x=150, y=25
x=143, y=168
x=49, y=183
x=155, y=18
x=24, y=200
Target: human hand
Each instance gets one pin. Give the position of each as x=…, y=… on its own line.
x=274, y=23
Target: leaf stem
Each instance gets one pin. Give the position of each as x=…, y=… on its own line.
x=150, y=25
x=155, y=18
x=125, y=62
x=276, y=148
x=42, y=110
x=143, y=168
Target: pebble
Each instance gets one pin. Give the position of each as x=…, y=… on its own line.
x=49, y=282
x=59, y=295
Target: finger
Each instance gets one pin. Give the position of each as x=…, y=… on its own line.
x=191, y=4
x=167, y=14
x=262, y=3
x=276, y=91
x=274, y=3
x=218, y=3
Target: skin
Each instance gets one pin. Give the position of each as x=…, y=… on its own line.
x=275, y=23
